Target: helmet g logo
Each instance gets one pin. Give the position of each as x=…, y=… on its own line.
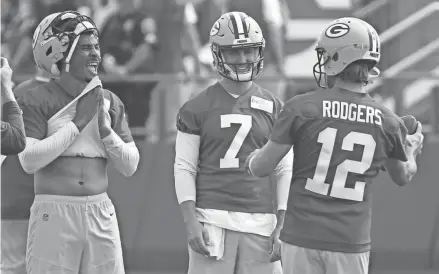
x=215, y=29
x=337, y=30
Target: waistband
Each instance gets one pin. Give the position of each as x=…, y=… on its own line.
x=72, y=199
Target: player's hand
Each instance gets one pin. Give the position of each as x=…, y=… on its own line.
x=416, y=141
x=104, y=118
x=275, y=245
x=198, y=237
x=247, y=161
x=86, y=108
x=6, y=79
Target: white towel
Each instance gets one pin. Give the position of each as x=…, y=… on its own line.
x=216, y=237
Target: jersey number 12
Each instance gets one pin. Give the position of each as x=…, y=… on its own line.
x=327, y=138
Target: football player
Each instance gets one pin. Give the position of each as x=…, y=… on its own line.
x=13, y=138
x=13, y=232
x=230, y=215
x=73, y=128
x=341, y=137
x=17, y=196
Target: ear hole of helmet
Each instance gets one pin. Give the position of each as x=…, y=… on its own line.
x=49, y=51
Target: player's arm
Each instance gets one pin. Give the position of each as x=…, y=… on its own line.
x=12, y=129
x=119, y=143
x=283, y=173
x=401, y=172
x=185, y=172
x=401, y=164
x=264, y=161
x=41, y=150
x=186, y=160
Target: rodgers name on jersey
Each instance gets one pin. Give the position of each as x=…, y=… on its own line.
x=230, y=129
x=352, y=112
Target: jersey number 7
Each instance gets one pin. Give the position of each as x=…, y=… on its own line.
x=230, y=160
x=327, y=138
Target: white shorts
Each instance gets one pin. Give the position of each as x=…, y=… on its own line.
x=311, y=261
x=13, y=246
x=70, y=234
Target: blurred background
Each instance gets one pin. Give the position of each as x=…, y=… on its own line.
x=156, y=56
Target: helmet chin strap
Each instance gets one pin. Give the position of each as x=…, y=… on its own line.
x=72, y=49
x=80, y=28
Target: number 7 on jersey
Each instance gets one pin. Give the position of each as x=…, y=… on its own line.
x=230, y=160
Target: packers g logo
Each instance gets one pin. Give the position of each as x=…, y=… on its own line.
x=337, y=30
x=215, y=29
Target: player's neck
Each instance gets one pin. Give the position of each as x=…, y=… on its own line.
x=42, y=75
x=351, y=86
x=71, y=84
x=234, y=87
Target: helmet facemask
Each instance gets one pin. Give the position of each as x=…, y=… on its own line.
x=319, y=68
x=231, y=70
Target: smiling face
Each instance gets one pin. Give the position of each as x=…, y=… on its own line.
x=240, y=59
x=86, y=57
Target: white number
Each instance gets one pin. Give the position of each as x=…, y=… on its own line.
x=230, y=160
x=327, y=139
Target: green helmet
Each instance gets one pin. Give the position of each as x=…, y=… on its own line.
x=236, y=30
x=343, y=42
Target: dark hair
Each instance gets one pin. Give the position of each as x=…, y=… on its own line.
x=357, y=72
